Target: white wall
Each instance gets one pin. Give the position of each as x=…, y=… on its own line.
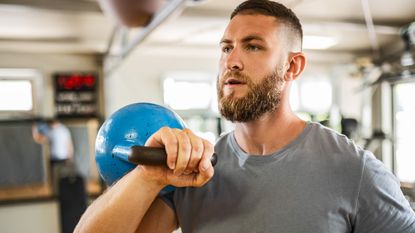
x=40, y=217
x=138, y=79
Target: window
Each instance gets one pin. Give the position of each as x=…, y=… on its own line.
x=193, y=96
x=311, y=97
x=404, y=115
x=316, y=95
x=16, y=95
x=189, y=90
x=17, y=91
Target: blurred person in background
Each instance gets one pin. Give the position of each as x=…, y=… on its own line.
x=61, y=149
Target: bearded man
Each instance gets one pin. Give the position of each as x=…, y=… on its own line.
x=275, y=172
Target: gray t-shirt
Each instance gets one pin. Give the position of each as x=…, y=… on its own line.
x=319, y=183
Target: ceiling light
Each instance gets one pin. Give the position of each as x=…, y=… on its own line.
x=318, y=42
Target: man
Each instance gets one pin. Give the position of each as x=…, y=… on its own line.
x=61, y=148
x=59, y=138
x=276, y=173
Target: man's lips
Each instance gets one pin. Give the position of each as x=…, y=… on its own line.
x=233, y=81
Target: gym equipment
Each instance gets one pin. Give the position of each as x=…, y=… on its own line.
x=349, y=127
x=139, y=13
x=72, y=201
x=131, y=13
x=120, y=141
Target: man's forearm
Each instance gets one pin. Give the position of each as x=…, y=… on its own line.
x=122, y=207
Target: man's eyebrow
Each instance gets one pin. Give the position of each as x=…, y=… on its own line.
x=252, y=37
x=226, y=41
x=244, y=40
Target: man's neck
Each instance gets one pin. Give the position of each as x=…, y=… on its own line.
x=269, y=133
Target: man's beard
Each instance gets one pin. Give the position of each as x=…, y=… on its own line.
x=261, y=98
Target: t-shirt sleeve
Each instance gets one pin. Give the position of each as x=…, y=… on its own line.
x=168, y=199
x=381, y=205
x=43, y=128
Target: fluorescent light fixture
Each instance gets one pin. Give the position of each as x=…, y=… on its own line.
x=318, y=42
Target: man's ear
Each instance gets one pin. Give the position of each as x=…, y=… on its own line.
x=296, y=66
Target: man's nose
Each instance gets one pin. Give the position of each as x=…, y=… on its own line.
x=233, y=60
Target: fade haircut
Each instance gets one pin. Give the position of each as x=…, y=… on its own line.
x=274, y=9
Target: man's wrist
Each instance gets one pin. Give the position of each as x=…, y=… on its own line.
x=151, y=185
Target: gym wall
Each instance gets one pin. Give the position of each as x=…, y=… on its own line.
x=42, y=215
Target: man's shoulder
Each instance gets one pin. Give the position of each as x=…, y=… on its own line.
x=329, y=137
x=223, y=139
x=333, y=144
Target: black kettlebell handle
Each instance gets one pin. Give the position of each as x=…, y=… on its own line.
x=154, y=156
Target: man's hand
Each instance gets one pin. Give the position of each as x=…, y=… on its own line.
x=188, y=159
x=37, y=136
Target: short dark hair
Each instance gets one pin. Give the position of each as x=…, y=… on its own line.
x=271, y=8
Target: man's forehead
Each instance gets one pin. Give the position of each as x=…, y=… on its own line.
x=260, y=26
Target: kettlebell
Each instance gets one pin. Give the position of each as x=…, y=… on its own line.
x=119, y=145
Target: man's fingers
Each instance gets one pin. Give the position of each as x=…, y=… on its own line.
x=154, y=140
x=203, y=176
x=171, y=146
x=188, y=158
x=191, y=180
x=184, y=152
x=206, y=170
x=196, y=152
x=166, y=138
x=205, y=162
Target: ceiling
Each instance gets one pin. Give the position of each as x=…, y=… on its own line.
x=79, y=26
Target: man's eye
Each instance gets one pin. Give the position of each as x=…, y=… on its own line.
x=253, y=47
x=226, y=49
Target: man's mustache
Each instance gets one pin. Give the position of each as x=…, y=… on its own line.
x=236, y=75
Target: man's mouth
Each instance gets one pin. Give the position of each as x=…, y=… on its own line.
x=233, y=81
